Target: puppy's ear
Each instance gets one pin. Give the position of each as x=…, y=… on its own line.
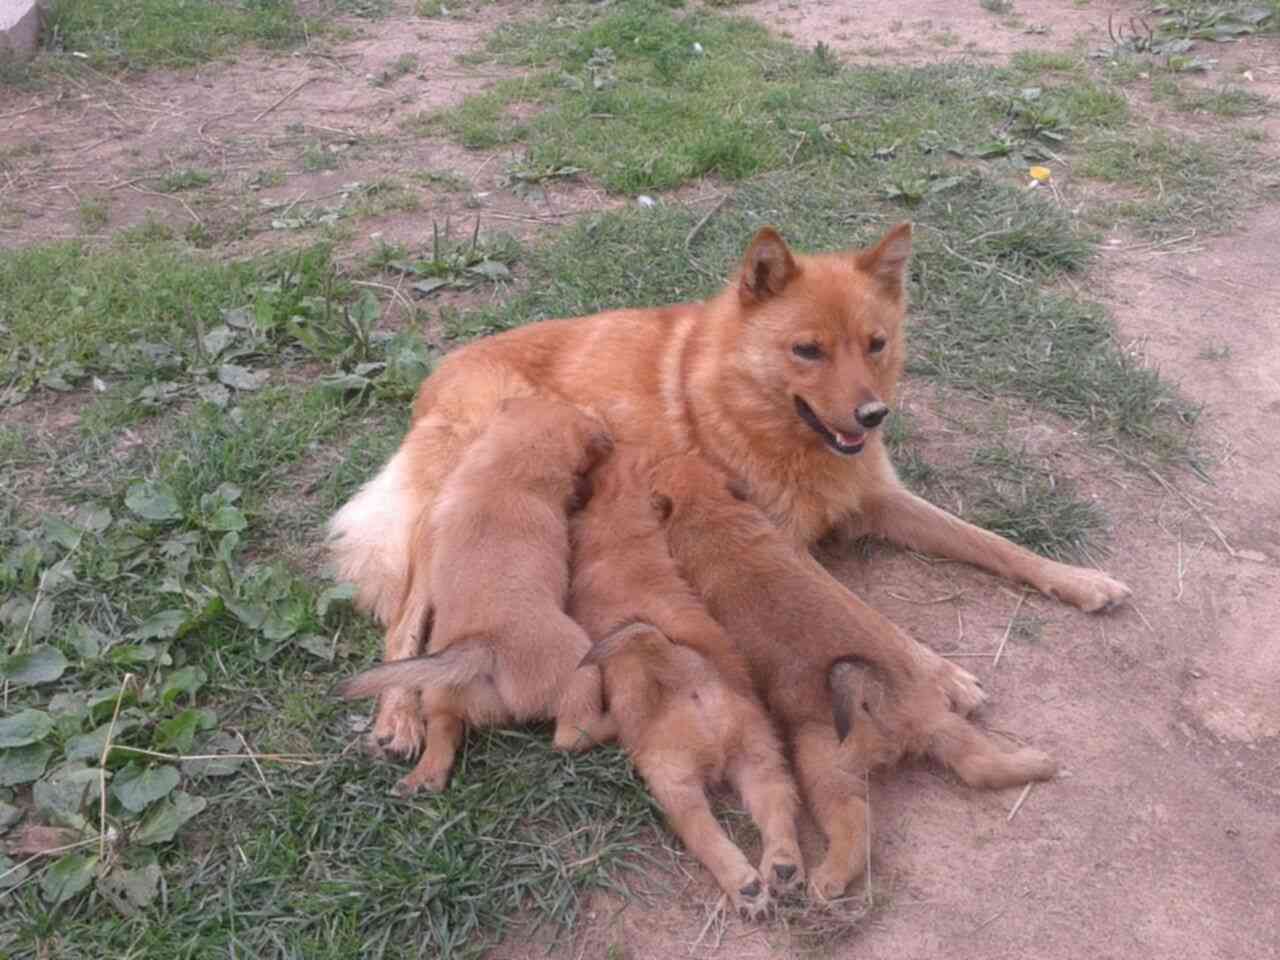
x=662, y=506
x=886, y=262
x=738, y=489
x=767, y=267
x=583, y=488
x=599, y=446
x=606, y=647
x=848, y=680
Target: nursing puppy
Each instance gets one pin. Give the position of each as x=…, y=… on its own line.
x=502, y=647
x=679, y=693
x=805, y=635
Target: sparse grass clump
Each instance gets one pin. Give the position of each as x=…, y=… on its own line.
x=137, y=34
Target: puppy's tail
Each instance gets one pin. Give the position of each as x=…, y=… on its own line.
x=455, y=667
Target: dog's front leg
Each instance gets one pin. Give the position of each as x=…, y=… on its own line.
x=901, y=517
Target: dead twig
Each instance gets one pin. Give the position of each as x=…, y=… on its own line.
x=995, y=661
x=697, y=227
x=256, y=765
x=284, y=98
x=102, y=770
x=167, y=196
x=1021, y=797
x=930, y=601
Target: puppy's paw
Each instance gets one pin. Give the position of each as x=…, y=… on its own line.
x=1090, y=590
x=829, y=881
x=962, y=688
x=399, y=729
x=783, y=869
x=751, y=899
x=433, y=781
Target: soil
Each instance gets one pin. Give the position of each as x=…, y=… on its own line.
x=1162, y=836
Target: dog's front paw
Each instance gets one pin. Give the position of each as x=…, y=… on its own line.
x=964, y=691
x=399, y=729
x=1090, y=590
x=751, y=899
x=783, y=869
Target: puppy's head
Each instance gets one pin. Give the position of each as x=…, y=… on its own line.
x=557, y=439
x=820, y=337
x=688, y=482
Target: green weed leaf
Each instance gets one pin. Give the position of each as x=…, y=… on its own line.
x=68, y=876
x=153, y=501
x=25, y=727
x=42, y=664
x=166, y=818
x=23, y=764
x=145, y=786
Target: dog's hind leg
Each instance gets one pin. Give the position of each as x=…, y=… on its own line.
x=678, y=789
x=444, y=736
x=760, y=775
x=898, y=515
x=399, y=727
x=979, y=761
x=837, y=798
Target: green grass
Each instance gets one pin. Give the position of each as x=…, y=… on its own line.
x=623, y=94
x=1180, y=181
x=137, y=34
x=1028, y=505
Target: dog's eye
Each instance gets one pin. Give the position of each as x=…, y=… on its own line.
x=877, y=344
x=808, y=351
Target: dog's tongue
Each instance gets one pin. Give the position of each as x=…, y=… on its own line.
x=849, y=440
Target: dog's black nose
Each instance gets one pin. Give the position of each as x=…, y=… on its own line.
x=871, y=414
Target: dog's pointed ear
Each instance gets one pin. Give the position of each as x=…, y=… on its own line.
x=844, y=696
x=662, y=505
x=886, y=262
x=767, y=267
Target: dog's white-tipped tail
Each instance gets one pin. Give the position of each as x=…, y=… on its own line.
x=454, y=667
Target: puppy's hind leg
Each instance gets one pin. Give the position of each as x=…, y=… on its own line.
x=679, y=791
x=444, y=736
x=398, y=727
x=837, y=797
x=980, y=762
x=762, y=779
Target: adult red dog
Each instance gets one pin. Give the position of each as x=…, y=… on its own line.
x=781, y=379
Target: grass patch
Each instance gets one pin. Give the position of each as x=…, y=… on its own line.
x=137, y=34
x=1181, y=180
x=646, y=99
x=1030, y=506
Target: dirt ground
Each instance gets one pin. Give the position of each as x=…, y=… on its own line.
x=1162, y=837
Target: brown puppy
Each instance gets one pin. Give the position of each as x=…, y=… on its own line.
x=679, y=692
x=683, y=727
x=795, y=623
x=502, y=645
x=782, y=378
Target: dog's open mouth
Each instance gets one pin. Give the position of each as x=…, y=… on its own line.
x=842, y=443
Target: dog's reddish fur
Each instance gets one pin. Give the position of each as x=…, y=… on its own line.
x=799, y=628
x=502, y=646
x=679, y=693
x=727, y=377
